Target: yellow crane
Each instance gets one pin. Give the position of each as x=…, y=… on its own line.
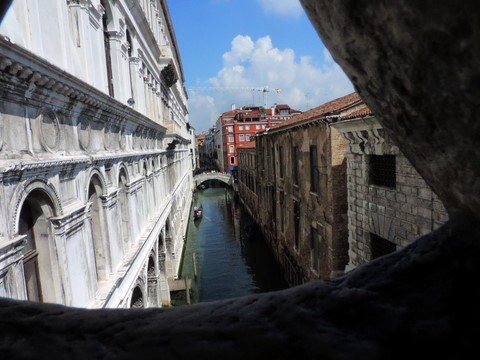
x=264, y=90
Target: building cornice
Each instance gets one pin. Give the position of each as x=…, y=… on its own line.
x=35, y=72
x=365, y=135
x=173, y=38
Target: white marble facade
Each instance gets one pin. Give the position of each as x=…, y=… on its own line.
x=96, y=153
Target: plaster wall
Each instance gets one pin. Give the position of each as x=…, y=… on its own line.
x=320, y=210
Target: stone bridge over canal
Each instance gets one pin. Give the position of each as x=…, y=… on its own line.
x=223, y=177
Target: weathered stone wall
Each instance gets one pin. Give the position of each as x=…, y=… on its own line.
x=400, y=214
x=247, y=178
x=323, y=210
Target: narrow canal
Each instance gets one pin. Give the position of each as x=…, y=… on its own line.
x=228, y=252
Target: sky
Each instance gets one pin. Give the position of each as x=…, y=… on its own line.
x=243, y=52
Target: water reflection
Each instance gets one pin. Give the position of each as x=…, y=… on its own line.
x=231, y=257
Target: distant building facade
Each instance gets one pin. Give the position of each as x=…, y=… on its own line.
x=200, y=138
x=240, y=124
x=389, y=203
x=218, y=154
x=210, y=146
x=96, y=153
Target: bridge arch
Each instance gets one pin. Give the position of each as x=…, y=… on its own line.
x=223, y=177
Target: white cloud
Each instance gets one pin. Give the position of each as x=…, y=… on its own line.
x=282, y=7
x=258, y=64
x=242, y=47
x=203, y=111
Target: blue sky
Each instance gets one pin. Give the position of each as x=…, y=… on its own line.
x=239, y=45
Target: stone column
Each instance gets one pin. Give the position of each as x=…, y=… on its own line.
x=135, y=81
x=162, y=269
x=112, y=229
x=117, y=54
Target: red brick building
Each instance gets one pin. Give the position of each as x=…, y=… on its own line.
x=239, y=125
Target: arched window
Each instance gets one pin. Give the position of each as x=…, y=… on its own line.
x=38, y=263
x=106, y=19
x=131, y=74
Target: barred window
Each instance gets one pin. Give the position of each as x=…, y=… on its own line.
x=380, y=246
x=295, y=167
x=296, y=225
x=280, y=160
x=382, y=170
x=282, y=211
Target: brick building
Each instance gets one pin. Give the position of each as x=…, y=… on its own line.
x=301, y=191
x=238, y=125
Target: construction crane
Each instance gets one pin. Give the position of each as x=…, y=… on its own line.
x=264, y=90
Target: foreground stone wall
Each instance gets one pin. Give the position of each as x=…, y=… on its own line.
x=422, y=297
x=304, y=223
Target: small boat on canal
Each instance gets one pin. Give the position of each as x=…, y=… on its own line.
x=197, y=212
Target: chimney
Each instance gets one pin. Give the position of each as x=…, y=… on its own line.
x=234, y=107
x=273, y=110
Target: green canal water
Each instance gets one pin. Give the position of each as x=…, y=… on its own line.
x=227, y=250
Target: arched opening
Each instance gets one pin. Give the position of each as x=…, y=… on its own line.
x=152, y=280
x=151, y=267
x=38, y=254
x=98, y=234
x=123, y=213
x=129, y=41
x=106, y=20
x=137, y=299
x=130, y=69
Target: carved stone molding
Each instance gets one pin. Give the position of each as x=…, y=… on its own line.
x=170, y=75
x=82, y=3
x=366, y=136
x=151, y=139
x=23, y=190
x=122, y=138
x=144, y=139
x=138, y=138
x=107, y=134
x=2, y=131
x=84, y=132
x=134, y=60
x=115, y=35
x=48, y=129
